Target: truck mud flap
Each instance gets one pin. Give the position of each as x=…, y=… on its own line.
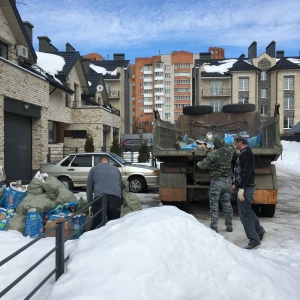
x=265, y=197
x=172, y=187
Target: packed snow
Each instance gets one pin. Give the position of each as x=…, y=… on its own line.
x=159, y=253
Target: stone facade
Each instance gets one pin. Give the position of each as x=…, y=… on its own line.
x=22, y=85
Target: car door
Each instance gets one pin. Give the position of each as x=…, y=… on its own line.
x=79, y=168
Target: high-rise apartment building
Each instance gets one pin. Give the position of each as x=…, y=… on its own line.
x=164, y=83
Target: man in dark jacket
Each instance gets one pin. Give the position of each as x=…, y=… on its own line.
x=105, y=179
x=245, y=188
x=218, y=161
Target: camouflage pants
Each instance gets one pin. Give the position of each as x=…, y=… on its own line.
x=220, y=188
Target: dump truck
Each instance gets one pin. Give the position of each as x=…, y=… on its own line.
x=182, y=181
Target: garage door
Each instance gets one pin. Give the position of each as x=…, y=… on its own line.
x=17, y=148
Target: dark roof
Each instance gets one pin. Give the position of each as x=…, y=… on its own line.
x=94, y=78
x=214, y=74
x=70, y=60
x=111, y=65
x=242, y=65
x=89, y=100
x=295, y=128
x=35, y=69
x=284, y=64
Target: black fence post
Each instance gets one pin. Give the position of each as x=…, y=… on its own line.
x=60, y=255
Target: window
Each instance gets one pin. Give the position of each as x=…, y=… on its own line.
x=288, y=102
x=141, y=84
x=167, y=82
x=167, y=91
x=288, y=83
x=167, y=67
x=168, y=99
x=168, y=107
x=52, y=132
x=75, y=134
x=179, y=66
x=263, y=93
x=216, y=87
x=263, y=110
x=167, y=115
x=243, y=100
x=150, y=116
x=263, y=76
x=3, y=50
x=158, y=105
x=217, y=105
x=243, y=84
x=181, y=90
x=168, y=75
x=66, y=100
x=159, y=65
x=141, y=108
x=148, y=68
x=141, y=116
x=288, y=122
x=82, y=161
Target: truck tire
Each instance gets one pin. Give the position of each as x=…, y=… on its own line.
x=268, y=210
x=197, y=110
x=256, y=209
x=238, y=108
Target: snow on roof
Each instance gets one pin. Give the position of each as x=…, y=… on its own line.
x=294, y=60
x=102, y=70
x=222, y=68
x=50, y=63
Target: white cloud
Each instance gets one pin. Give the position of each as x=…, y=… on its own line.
x=131, y=24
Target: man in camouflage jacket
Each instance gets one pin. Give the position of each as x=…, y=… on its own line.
x=218, y=162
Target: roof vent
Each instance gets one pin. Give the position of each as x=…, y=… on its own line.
x=22, y=51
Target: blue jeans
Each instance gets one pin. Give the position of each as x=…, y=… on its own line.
x=248, y=217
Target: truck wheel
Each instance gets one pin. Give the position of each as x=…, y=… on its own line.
x=67, y=182
x=137, y=184
x=197, y=110
x=256, y=209
x=268, y=210
x=238, y=108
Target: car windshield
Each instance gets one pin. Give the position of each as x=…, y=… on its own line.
x=119, y=159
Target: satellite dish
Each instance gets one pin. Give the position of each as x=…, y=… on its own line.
x=99, y=88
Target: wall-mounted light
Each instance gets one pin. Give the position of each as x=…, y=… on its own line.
x=26, y=106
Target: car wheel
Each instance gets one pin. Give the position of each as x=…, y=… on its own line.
x=137, y=184
x=67, y=182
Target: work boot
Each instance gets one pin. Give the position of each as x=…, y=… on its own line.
x=251, y=246
x=229, y=229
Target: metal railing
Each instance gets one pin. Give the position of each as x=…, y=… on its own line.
x=59, y=248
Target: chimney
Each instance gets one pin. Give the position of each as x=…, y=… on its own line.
x=45, y=45
x=28, y=27
x=270, y=50
x=119, y=56
x=242, y=56
x=69, y=48
x=216, y=52
x=280, y=54
x=252, y=50
x=86, y=65
x=205, y=55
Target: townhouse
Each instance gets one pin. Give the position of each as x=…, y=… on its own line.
x=264, y=80
x=45, y=113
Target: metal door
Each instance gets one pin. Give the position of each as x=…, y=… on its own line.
x=17, y=148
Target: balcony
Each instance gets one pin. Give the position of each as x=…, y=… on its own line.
x=216, y=92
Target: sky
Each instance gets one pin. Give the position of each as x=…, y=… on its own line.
x=164, y=253
x=141, y=28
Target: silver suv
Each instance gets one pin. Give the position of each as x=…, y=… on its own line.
x=74, y=168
